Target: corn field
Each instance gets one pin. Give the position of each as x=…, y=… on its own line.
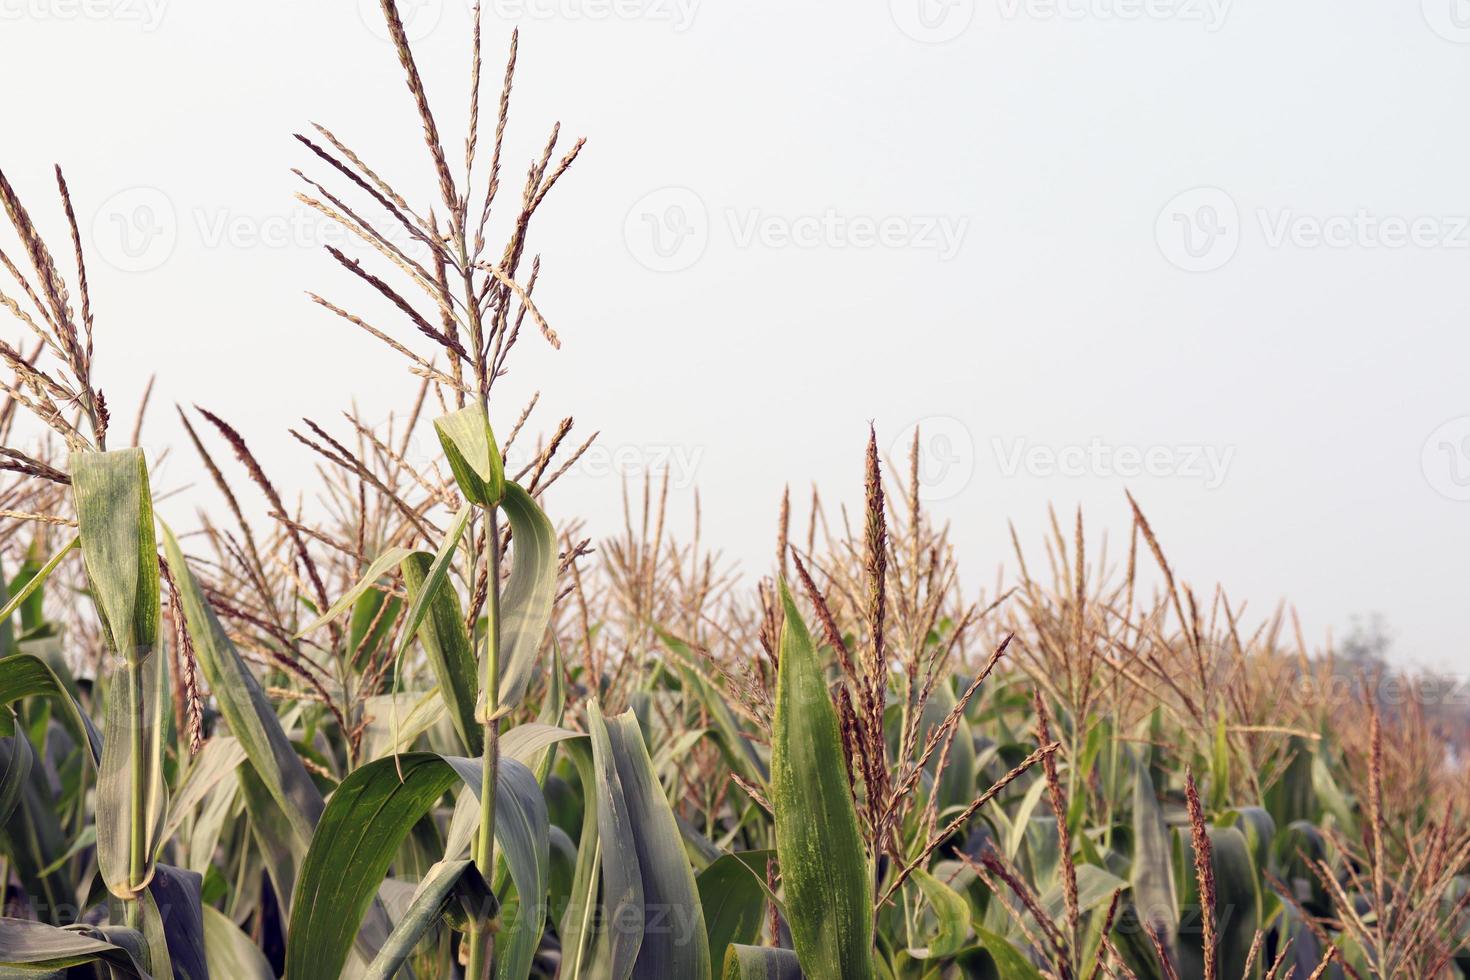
x=411, y=724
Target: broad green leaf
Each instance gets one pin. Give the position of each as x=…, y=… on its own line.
x=375, y=571
x=366, y=819
x=734, y=904
x=115, y=512
x=760, y=963
x=473, y=456
x=244, y=705
x=447, y=647
x=525, y=607
x=829, y=899
x=360, y=831
x=231, y=954
x=636, y=822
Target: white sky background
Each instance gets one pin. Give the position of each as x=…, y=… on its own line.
x=1049, y=140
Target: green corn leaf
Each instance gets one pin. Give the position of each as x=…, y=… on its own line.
x=37, y=946
x=1154, y=898
x=427, y=907
x=637, y=827
x=131, y=750
x=1009, y=962
x=734, y=903
x=375, y=571
x=473, y=456
x=16, y=759
x=173, y=901
x=829, y=899
x=115, y=511
x=367, y=819
x=760, y=963
x=244, y=705
x=578, y=924
x=447, y=646
x=529, y=593
x=434, y=579
x=1292, y=796
x=31, y=587
x=952, y=913
x=27, y=675
x=1237, y=902
x=231, y=954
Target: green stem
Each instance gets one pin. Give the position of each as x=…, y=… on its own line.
x=138, y=802
x=482, y=939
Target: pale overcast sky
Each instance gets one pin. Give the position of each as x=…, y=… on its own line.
x=1211, y=251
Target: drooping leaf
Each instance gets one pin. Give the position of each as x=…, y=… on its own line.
x=473, y=456
x=525, y=607
x=829, y=900
x=951, y=912
x=29, y=590
x=375, y=571
x=27, y=675
x=35, y=945
x=244, y=705
x=427, y=907
x=174, y=894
